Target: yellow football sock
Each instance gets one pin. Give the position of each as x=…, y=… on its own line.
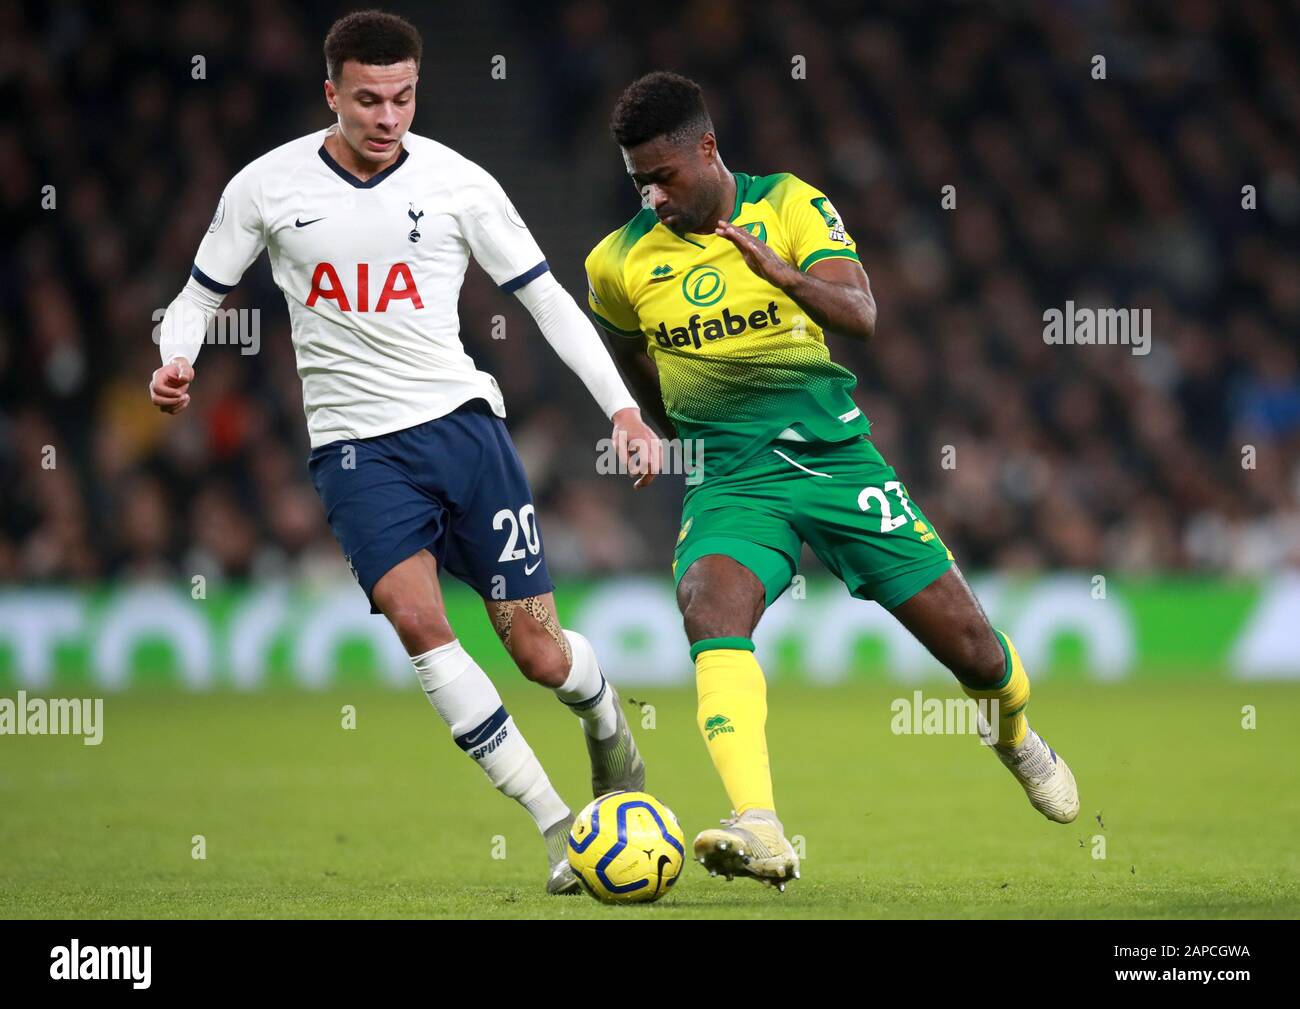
x=732, y=715
x=1012, y=694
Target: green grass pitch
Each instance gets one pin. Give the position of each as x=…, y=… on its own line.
x=302, y=818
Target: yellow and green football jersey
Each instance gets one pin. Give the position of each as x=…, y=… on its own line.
x=739, y=362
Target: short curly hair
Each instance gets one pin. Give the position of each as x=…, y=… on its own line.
x=373, y=37
x=660, y=104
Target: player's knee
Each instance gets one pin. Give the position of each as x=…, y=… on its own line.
x=421, y=627
x=701, y=620
x=707, y=613
x=540, y=658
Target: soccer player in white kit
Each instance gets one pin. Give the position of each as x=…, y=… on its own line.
x=370, y=229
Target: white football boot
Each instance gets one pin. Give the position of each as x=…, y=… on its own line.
x=1045, y=777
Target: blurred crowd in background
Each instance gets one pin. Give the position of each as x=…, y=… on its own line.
x=1122, y=192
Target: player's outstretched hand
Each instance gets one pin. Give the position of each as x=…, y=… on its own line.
x=639, y=448
x=758, y=256
x=170, y=386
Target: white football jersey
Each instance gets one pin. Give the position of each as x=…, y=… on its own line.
x=371, y=272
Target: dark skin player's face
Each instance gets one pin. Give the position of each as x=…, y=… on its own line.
x=684, y=183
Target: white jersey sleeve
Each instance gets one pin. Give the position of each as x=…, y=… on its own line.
x=235, y=237
x=497, y=236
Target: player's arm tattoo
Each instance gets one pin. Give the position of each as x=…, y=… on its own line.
x=503, y=618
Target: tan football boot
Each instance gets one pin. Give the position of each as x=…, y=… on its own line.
x=752, y=844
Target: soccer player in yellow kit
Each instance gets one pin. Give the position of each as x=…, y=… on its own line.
x=716, y=296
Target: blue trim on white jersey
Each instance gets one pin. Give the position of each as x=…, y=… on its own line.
x=371, y=182
x=511, y=286
x=208, y=282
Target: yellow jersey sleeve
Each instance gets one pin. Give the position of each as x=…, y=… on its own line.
x=607, y=296
x=813, y=227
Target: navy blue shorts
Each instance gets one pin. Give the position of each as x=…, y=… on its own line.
x=453, y=485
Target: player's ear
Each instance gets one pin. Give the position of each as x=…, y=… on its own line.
x=708, y=145
x=330, y=95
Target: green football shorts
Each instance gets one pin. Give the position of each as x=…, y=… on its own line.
x=840, y=498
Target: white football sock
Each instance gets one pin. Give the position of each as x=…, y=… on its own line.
x=468, y=702
x=586, y=693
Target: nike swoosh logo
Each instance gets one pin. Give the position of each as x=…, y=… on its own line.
x=663, y=861
x=529, y=570
x=477, y=737
x=299, y=223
